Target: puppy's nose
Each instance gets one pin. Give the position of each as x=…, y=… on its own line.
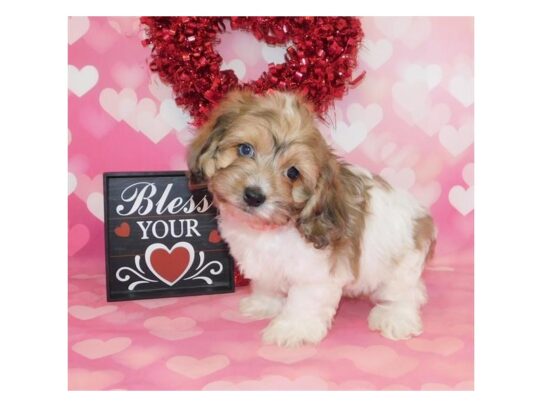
x=254, y=196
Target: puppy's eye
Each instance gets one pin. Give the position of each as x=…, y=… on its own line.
x=292, y=173
x=245, y=150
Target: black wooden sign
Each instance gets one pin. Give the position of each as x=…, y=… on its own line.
x=161, y=238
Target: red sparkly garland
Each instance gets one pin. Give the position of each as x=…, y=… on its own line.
x=319, y=63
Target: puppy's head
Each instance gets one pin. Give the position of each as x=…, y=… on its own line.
x=264, y=158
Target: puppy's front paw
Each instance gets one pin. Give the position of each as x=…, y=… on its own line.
x=395, y=322
x=293, y=332
x=260, y=307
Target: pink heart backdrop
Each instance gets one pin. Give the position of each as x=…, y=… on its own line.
x=410, y=120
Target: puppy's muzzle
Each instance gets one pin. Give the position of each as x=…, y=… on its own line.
x=254, y=196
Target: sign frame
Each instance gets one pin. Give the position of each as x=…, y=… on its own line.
x=169, y=289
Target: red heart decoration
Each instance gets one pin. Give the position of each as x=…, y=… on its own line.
x=123, y=230
x=319, y=62
x=169, y=265
x=214, y=236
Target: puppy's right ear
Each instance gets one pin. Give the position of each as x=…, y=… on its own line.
x=201, y=154
x=202, y=151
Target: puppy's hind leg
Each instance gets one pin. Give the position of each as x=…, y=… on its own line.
x=399, y=299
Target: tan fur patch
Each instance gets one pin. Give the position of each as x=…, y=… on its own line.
x=357, y=199
x=424, y=235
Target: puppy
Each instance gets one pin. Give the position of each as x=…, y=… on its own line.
x=305, y=228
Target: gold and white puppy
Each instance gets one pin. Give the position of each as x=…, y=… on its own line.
x=306, y=228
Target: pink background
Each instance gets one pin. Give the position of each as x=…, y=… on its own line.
x=411, y=120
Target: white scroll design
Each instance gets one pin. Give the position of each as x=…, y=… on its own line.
x=139, y=273
x=201, y=268
x=214, y=268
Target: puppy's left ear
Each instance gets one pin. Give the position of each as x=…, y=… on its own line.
x=202, y=151
x=324, y=218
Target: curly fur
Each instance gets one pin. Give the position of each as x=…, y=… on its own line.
x=334, y=230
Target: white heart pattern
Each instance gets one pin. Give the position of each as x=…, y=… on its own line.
x=83, y=80
x=376, y=54
x=158, y=89
x=128, y=76
x=348, y=137
x=77, y=27
x=403, y=179
x=142, y=116
x=370, y=116
x=411, y=31
x=95, y=204
x=462, y=199
x=173, y=115
x=145, y=105
x=393, y=27
x=418, y=31
x=149, y=122
x=468, y=174
x=437, y=116
x=411, y=100
x=72, y=183
x=431, y=75
x=119, y=105
x=456, y=141
x=462, y=88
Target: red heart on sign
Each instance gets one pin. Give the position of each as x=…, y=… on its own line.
x=169, y=265
x=214, y=236
x=123, y=230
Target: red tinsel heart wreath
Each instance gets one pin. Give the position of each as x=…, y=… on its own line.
x=319, y=63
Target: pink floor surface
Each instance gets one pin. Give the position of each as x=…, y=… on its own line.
x=203, y=343
x=411, y=121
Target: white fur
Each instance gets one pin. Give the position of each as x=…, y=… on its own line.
x=292, y=282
